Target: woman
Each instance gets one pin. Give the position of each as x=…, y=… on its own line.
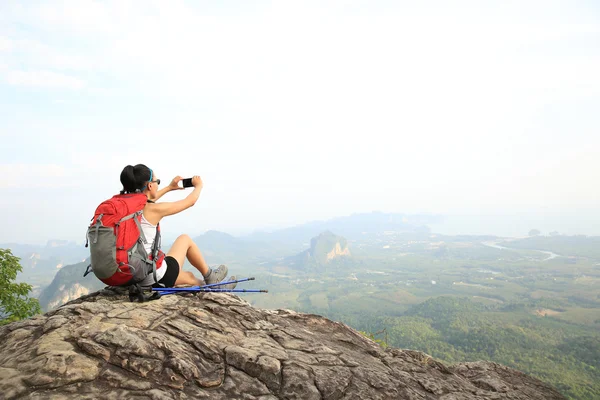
x=140, y=178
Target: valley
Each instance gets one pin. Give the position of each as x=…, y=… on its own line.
x=530, y=303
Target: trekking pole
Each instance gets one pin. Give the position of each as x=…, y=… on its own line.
x=225, y=283
x=197, y=290
x=209, y=288
x=205, y=286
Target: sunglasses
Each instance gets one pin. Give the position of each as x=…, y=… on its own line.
x=151, y=181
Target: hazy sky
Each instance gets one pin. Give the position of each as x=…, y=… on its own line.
x=293, y=111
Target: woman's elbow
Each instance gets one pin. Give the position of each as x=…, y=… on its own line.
x=191, y=203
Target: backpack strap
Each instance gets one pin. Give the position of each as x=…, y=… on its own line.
x=154, y=274
x=137, y=222
x=155, y=245
x=97, y=227
x=155, y=248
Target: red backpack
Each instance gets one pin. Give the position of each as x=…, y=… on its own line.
x=116, y=242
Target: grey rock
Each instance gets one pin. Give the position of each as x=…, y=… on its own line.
x=217, y=346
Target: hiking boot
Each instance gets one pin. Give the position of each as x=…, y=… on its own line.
x=229, y=285
x=216, y=275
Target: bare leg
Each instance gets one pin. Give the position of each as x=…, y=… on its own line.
x=184, y=247
x=187, y=278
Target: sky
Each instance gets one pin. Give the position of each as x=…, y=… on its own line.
x=486, y=112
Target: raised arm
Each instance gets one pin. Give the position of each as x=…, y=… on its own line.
x=174, y=185
x=160, y=210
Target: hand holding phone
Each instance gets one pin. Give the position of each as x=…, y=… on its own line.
x=194, y=181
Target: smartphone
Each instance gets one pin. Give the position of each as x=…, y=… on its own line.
x=187, y=182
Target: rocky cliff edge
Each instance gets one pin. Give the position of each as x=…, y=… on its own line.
x=217, y=346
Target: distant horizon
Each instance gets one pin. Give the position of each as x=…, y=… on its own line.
x=509, y=226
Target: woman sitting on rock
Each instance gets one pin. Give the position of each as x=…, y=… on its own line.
x=140, y=178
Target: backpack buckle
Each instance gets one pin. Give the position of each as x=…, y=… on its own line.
x=137, y=293
x=87, y=270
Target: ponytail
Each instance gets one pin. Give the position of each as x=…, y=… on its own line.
x=135, y=178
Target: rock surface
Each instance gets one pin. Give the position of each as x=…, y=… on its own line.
x=217, y=346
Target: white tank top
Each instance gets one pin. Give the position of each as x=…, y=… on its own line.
x=150, y=234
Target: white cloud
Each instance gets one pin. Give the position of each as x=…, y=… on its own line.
x=301, y=110
x=5, y=44
x=35, y=53
x=31, y=176
x=41, y=78
x=75, y=16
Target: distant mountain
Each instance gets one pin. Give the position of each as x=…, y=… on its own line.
x=69, y=284
x=327, y=247
x=324, y=249
x=217, y=248
x=53, y=248
x=223, y=248
x=355, y=226
x=40, y=263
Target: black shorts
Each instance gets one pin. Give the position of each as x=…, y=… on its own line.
x=168, y=280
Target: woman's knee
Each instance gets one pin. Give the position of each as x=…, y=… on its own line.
x=180, y=248
x=185, y=238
